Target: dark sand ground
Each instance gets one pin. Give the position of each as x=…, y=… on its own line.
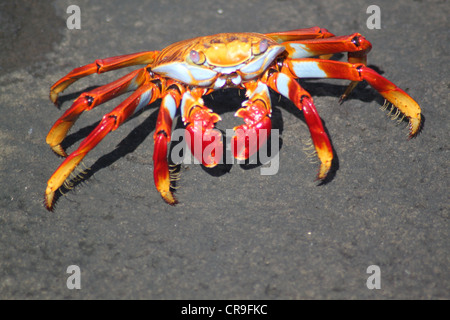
x=236, y=234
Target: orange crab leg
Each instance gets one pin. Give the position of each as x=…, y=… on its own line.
x=284, y=83
x=355, y=44
x=141, y=97
x=163, y=131
x=100, y=66
x=316, y=68
x=256, y=113
x=300, y=34
x=204, y=141
x=88, y=101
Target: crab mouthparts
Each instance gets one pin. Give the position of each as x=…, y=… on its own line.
x=228, y=80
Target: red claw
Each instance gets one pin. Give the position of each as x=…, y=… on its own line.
x=255, y=112
x=205, y=142
x=203, y=139
x=249, y=139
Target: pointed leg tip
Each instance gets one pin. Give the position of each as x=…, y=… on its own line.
x=169, y=198
x=48, y=201
x=323, y=171
x=59, y=151
x=54, y=98
x=415, y=127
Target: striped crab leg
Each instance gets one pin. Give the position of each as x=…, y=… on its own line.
x=285, y=83
x=88, y=101
x=162, y=136
x=355, y=45
x=317, y=68
x=300, y=34
x=141, y=97
x=101, y=66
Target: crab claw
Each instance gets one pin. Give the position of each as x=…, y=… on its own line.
x=248, y=136
x=256, y=112
x=204, y=141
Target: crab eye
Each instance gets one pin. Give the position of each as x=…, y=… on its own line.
x=261, y=47
x=197, y=57
x=355, y=41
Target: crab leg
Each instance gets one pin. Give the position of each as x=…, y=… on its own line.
x=256, y=113
x=284, y=83
x=355, y=44
x=88, y=101
x=316, y=68
x=100, y=66
x=204, y=141
x=111, y=121
x=300, y=34
x=163, y=131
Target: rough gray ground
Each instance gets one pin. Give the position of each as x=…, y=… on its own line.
x=235, y=234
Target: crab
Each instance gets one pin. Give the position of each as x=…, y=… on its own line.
x=182, y=73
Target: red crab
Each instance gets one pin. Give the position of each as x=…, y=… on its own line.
x=185, y=71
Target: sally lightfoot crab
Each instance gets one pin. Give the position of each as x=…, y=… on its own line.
x=183, y=72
